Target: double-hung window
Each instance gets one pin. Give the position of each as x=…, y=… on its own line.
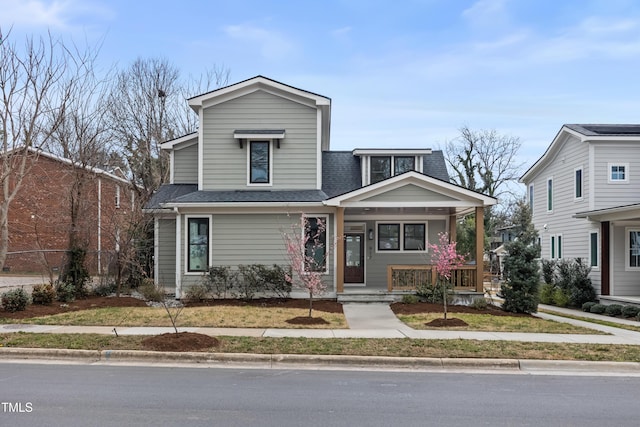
x=260, y=162
x=555, y=246
x=577, y=185
x=633, y=248
x=593, y=249
x=198, y=244
x=550, y=195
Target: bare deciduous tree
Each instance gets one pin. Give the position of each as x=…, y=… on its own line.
x=32, y=104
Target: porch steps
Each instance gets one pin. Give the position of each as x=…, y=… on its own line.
x=369, y=297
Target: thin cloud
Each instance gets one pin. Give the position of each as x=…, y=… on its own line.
x=36, y=13
x=271, y=44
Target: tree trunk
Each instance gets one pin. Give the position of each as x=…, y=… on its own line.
x=310, y=303
x=4, y=232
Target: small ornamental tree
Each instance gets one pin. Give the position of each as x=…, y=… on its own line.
x=445, y=259
x=306, y=245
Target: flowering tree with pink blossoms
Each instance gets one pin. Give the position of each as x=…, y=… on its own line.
x=445, y=259
x=307, y=250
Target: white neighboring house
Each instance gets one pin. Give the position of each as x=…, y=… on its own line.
x=585, y=196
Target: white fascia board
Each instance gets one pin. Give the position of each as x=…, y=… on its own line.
x=453, y=204
x=184, y=142
x=391, y=151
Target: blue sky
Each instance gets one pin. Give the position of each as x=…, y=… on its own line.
x=404, y=73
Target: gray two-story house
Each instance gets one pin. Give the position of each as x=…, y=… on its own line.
x=261, y=158
x=585, y=194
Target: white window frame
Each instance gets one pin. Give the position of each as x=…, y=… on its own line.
x=186, y=244
x=270, y=172
x=327, y=246
x=531, y=197
x=401, y=248
x=575, y=184
x=627, y=242
x=556, y=246
x=610, y=179
x=392, y=157
x=549, y=200
x=597, y=249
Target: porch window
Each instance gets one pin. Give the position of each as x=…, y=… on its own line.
x=402, y=236
x=198, y=241
x=414, y=237
x=388, y=237
x=316, y=244
x=259, y=162
x=633, y=251
x=593, y=249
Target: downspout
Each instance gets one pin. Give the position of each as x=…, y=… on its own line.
x=178, y=253
x=99, y=226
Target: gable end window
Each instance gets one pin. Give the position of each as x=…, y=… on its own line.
x=618, y=172
x=198, y=244
x=260, y=162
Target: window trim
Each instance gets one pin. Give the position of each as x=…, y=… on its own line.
x=550, y=194
x=578, y=185
x=270, y=165
x=187, y=256
x=392, y=165
x=556, y=246
x=401, y=236
x=531, y=197
x=610, y=179
x=627, y=249
x=326, y=243
x=597, y=249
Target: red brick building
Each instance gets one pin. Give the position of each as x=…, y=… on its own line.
x=40, y=217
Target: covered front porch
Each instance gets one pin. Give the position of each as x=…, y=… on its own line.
x=384, y=231
x=616, y=261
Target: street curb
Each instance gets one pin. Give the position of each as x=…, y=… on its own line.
x=283, y=361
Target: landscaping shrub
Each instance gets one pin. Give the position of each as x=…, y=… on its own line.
x=561, y=297
x=479, y=304
x=150, y=291
x=546, y=293
x=598, y=308
x=586, y=307
x=275, y=279
x=220, y=281
x=613, y=310
x=409, y=299
x=15, y=300
x=104, y=289
x=249, y=282
x=65, y=291
x=197, y=292
x=548, y=273
x=434, y=293
x=581, y=289
x=43, y=294
x=520, y=290
x=630, y=311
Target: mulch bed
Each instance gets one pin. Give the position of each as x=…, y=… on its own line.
x=306, y=320
x=450, y=322
x=425, y=307
x=36, y=310
x=183, y=341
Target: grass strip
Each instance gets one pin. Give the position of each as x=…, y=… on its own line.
x=596, y=321
x=402, y=347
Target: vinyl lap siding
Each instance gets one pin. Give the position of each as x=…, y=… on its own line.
x=623, y=283
x=609, y=194
x=166, y=252
x=409, y=192
x=294, y=164
x=185, y=165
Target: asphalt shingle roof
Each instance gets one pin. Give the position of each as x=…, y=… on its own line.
x=606, y=129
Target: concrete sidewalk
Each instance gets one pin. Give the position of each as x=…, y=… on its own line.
x=369, y=321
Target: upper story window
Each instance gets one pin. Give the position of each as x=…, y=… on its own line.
x=550, y=195
x=577, y=185
x=531, y=198
x=618, y=172
x=383, y=167
x=260, y=162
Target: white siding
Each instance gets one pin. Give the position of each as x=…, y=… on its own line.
x=225, y=163
x=608, y=194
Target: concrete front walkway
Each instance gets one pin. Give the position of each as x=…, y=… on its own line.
x=370, y=321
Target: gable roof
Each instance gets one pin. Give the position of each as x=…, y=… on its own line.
x=584, y=133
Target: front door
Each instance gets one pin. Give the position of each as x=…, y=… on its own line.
x=354, y=258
